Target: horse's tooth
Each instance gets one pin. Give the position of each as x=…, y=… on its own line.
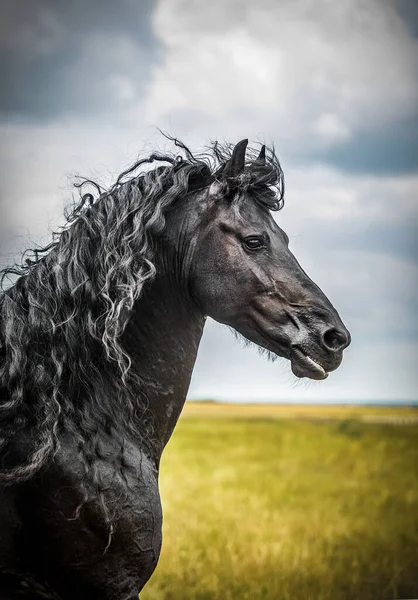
x=317, y=366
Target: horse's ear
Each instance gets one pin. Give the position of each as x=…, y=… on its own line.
x=261, y=159
x=236, y=163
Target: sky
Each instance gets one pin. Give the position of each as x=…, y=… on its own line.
x=333, y=85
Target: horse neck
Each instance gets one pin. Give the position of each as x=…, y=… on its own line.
x=162, y=339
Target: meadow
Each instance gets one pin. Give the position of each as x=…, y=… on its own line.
x=289, y=503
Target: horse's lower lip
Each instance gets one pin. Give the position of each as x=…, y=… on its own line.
x=304, y=366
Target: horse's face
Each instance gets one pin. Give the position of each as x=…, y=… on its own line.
x=244, y=275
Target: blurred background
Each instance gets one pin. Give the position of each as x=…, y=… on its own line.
x=334, y=86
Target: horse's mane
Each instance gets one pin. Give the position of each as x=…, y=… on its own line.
x=62, y=367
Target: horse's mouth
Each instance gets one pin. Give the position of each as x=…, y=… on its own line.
x=305, y=366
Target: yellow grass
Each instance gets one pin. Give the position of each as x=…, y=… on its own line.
x=289, y=503
x=292, y=411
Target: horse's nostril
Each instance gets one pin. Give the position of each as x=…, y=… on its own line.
x=335, y=339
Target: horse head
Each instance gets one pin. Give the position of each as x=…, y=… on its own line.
x=243, y=274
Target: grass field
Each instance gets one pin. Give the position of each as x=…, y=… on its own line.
x=289, y=503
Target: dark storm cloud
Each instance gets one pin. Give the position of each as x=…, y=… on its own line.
x=408, y=10
x=391, y=150
x=61, y=57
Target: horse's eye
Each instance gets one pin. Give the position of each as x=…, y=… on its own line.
x=254, y=243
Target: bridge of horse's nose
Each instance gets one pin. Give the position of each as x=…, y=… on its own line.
x=336, y=339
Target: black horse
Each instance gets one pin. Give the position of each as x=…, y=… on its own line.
x=98, y=338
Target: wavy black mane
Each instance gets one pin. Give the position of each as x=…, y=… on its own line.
x=61, y=321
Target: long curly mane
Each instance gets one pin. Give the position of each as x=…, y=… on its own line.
x=62, y=367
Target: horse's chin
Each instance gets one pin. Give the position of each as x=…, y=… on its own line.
x=305, y=366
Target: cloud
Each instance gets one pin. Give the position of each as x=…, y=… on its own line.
x=66, y=58
x=330, y=81
x=408, y=9
x=347, y=211
x=38, y=164
x=389, y=150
